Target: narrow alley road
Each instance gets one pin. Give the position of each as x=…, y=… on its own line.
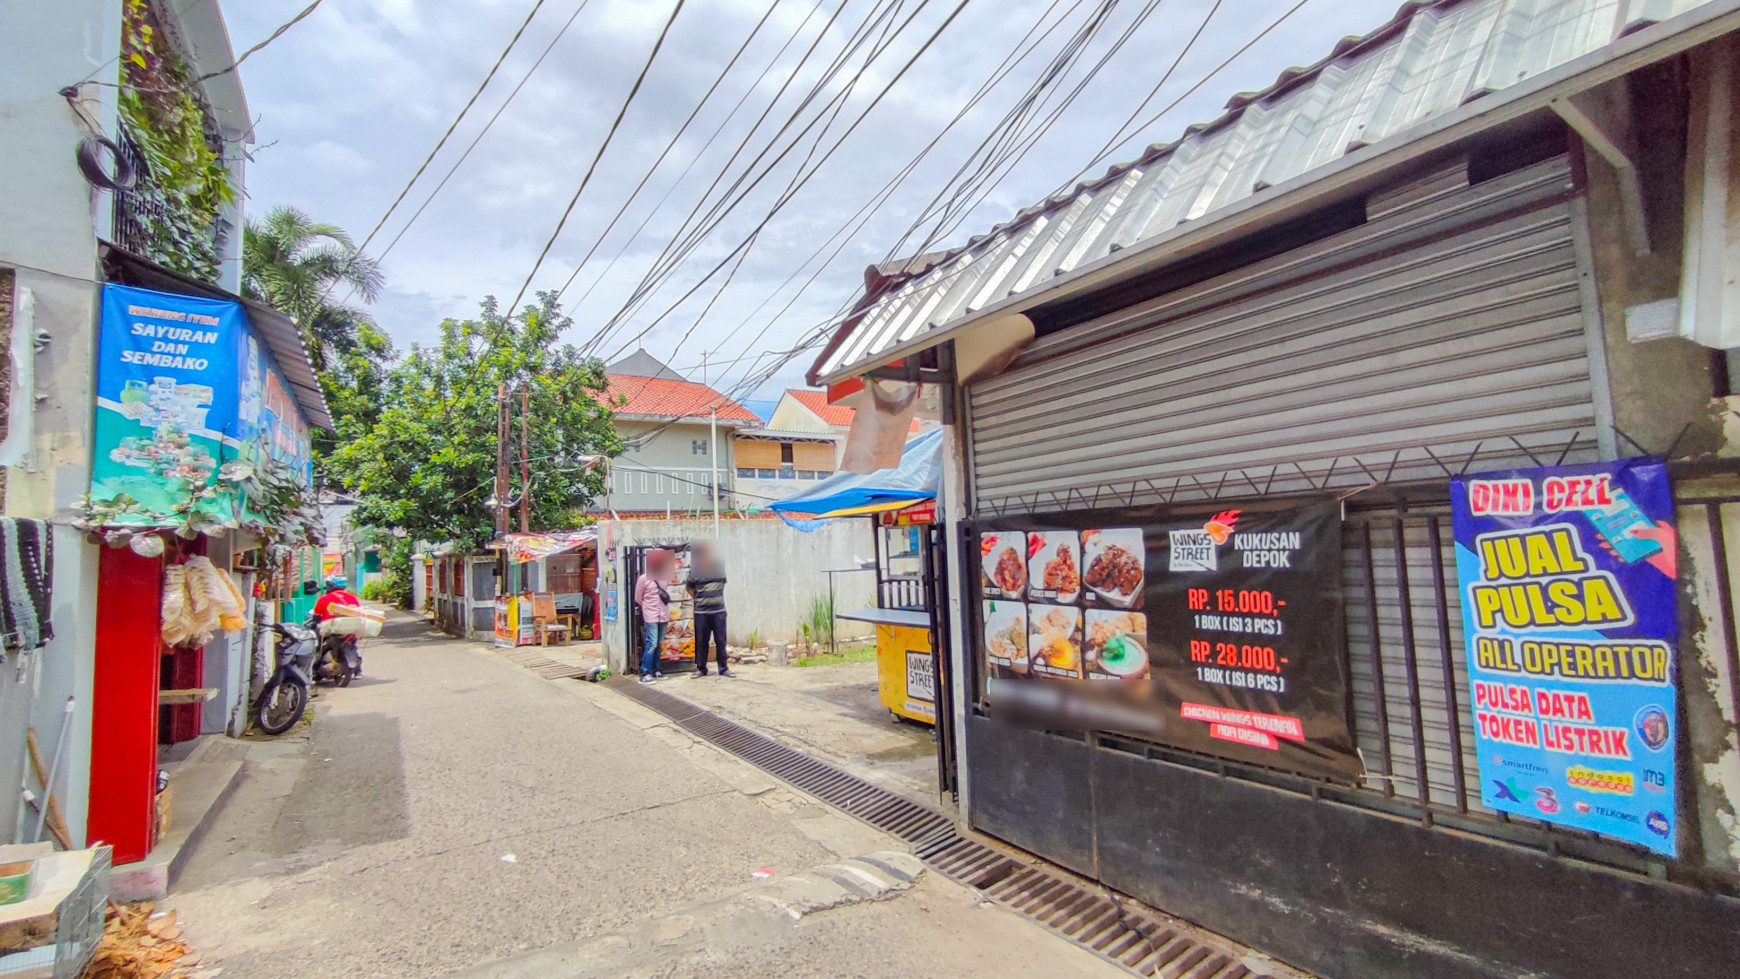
x=450, y=812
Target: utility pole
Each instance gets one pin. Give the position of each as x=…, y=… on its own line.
x=712, y=448
x=525, y=467
x=501, y=460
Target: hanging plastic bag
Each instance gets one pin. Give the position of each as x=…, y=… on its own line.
x=883, y=420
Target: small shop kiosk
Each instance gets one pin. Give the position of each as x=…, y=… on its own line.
x=554, y=570
x=901, y=506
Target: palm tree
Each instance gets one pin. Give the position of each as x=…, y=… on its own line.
x=296, y=265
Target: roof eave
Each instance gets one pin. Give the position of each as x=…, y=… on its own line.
x=1347, y=176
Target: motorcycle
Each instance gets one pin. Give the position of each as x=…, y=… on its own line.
x=340, y=660
x=285, y=696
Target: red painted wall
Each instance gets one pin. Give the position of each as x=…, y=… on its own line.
x=124, y=703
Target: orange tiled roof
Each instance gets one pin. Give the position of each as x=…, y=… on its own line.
x=660, y=397
x=817, y=401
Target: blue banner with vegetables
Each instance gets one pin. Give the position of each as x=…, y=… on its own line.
x=1568, y=580
x=184, y=386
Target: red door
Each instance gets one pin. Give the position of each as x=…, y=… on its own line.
x=124, y=703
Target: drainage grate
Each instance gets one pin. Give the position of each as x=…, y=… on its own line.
x=1131, y=937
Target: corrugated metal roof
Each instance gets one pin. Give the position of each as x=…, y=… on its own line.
x=1431, y=58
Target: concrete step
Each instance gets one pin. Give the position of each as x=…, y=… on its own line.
x=199, y=787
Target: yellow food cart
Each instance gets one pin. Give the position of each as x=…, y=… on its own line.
x=905, y=665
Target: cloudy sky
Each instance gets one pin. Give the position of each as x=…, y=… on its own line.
x=350, y=101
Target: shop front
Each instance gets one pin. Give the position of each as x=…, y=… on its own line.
x=547, y=579
x=1342, y=571
x=201, y=493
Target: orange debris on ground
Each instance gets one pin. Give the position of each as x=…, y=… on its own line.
x=140, y=944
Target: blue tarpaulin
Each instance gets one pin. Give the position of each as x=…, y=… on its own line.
x=915, y=480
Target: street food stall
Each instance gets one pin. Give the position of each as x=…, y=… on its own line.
x=901, y=505
x=549, y=587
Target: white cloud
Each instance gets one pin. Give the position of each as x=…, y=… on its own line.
x=357, y=94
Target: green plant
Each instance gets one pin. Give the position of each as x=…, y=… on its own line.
x=847, y=654
x=755, y=639
x=265, y=497
x=179, y=202
x=818, y=623
x=372, y=591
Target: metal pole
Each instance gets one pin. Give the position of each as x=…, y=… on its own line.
x=53, y=769
x=525, y=467
x=501, y=516
x=713, y=456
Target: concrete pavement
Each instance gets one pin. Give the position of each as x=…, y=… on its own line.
x=449, y=810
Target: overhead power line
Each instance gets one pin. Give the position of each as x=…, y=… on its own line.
x=1121, y=136
x=485, y=130
x=275, y=35
x=608, y=136
x=854, y=225
x=539, y=5
x=805, y=178
x=675, y=138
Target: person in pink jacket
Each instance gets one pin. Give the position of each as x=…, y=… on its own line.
x=654, y=603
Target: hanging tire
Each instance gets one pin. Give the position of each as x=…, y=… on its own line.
x=281, y=705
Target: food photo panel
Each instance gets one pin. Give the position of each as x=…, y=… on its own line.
x=1003, y=564
x=1112, y=567
x=1116, y=646
x=1054, y=641
x=1054, y=566
x=1005, y=639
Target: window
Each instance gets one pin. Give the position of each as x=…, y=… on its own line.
x=806, y=474
x=698, y=447
x=787, y=472
x=690, y=485
x=785, y=452
x=766, y=473
x=644, y=485
x=745, y=474
x=659, y=484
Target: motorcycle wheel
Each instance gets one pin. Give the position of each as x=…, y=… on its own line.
x=344, y=674
x=281, y=705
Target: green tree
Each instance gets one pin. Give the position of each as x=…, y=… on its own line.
x=295, y=265
x=426, y=470
x=298, y=265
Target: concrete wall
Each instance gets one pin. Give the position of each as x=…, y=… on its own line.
x=772, y=572
x=51, y=219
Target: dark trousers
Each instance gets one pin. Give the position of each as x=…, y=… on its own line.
x=709, y=624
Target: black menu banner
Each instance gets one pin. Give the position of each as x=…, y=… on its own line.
x=1245, y=623
x=1224, y=621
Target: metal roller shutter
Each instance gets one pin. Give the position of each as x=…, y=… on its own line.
x=1448, y=328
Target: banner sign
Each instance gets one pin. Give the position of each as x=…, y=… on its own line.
x=1248, y=638
x=183, y=386
x=1568, y=580
x=1219, y=630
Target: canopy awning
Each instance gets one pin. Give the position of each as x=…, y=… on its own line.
x=525, y=548
x=915, y=480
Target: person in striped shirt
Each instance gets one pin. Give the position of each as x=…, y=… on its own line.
x=707, y=584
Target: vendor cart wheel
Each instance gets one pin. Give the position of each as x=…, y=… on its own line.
x=896, y=718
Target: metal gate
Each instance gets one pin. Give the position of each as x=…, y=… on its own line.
x=1445, y=330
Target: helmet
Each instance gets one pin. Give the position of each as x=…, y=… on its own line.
x=337, y=582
